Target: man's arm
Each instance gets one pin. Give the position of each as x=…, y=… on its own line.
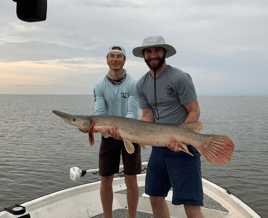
x=193, y=111
x=148, y=115
x=133, y=103
x=100, y=104
x=193, y=115
x=147, y=111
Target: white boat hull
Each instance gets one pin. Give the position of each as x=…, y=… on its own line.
x=84, y=201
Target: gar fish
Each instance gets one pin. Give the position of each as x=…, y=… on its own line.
x=216, y=149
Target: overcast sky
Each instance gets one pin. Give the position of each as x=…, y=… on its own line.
x=222, y=44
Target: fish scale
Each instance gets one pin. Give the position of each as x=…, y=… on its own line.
x=216, y=149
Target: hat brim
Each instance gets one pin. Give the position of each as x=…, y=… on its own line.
x=137, y=52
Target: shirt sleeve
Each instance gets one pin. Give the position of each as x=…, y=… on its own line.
x=186, y=89
x=133, y=103
x=100, y=103
x=142, y=99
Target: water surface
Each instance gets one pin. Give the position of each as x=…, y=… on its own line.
x=38, y=148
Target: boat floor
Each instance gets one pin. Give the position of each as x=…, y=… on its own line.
x=124, y=213
x=208, y=203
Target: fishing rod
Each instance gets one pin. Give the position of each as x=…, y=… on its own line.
x=76, y=173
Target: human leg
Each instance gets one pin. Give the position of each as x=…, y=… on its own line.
x=109, y=159
x=193, y=211
x=132, y=167
x=186, y=180
x=159, y=206
x=132, y=194
x=157, y=182
x=185, y=177
x=106, y=193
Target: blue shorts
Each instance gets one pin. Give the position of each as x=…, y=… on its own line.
x=180, y=171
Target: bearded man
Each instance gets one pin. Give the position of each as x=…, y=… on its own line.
x=167, y=95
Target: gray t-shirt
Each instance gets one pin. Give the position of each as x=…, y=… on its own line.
x=174, y=88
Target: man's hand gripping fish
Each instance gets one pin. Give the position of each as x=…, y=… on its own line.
x=216, y=149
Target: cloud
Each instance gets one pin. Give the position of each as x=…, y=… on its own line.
x=58, y=75
x=201, y=26
x=78, y=63
x=206, y=78
x=51, y=76
x=14, y=79
x=29, y=73
x=113, y=4
x=225, y=39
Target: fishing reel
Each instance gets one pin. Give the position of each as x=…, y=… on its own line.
x=76, y=173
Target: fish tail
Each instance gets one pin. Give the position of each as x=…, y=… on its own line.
x=217, y=149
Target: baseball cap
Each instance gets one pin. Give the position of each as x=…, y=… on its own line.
x=115, y=48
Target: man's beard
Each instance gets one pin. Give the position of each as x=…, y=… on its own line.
x=157, y=66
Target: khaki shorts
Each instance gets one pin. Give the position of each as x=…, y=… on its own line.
x=109, y=158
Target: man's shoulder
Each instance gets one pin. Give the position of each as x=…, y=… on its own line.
x=177, y=74
x=143, y=79
x=100, y=86
x=131, y=79
x=100, y=82
x=175, y=71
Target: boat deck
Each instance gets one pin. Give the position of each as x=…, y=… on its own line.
x=208, y=203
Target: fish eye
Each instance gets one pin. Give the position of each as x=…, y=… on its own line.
x=74, y=119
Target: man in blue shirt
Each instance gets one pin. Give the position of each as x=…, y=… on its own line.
x=167, y=95
x=116, y=95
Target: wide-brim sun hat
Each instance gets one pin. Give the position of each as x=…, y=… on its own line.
x=154, y=41
x=122, y=51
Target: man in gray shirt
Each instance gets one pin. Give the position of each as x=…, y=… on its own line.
x=167, y=95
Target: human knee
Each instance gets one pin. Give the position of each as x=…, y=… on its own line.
x=193, y=211
x=107, y=180
x=131, y=181
x=156, y=201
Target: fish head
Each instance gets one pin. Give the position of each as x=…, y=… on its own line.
x=82, y=122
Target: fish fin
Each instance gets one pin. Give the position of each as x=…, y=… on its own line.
x=185, y=149
x=91, y=138
x=129, y=146
x=105, y=134
x=217, y=149
x=195, y=127
x=181, y=146
x=142, y=145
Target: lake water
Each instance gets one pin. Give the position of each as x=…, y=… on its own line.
x=38, y=148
